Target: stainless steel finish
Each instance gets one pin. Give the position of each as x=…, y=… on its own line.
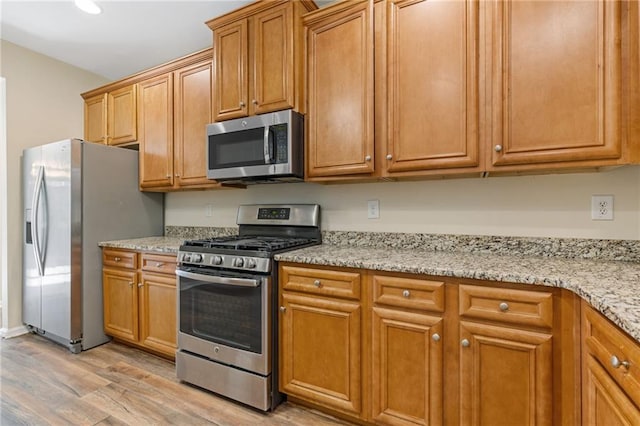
x=265, y=138
x=242, y=386
x=435, y=337
x=367, y=158
x=283, y=309
x=406, y=293
x=90, y=193
x=317, y=283
x=465, y=343
x=300, y=215
x=616, y=363
x=389, y=157
x=35, y=208
x=504, y=306
x=260, y=264
x=498, y=148
x=214, y=279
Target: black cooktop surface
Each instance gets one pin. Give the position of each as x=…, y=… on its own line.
x=254, y=243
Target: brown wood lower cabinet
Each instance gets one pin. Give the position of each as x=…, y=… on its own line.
x=140, y=299
x=418, y=350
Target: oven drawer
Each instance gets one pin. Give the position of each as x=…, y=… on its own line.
x=321, y=281
x=120, y=259
x=529, y=308
x=161, y=263
x=409, y=293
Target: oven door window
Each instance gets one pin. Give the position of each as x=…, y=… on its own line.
x=237, y=149
x=230, y=315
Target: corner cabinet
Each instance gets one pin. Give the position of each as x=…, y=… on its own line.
x=139, y=291
x=257, y=59
x=110, y=118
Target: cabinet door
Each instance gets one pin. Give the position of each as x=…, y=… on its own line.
x=407, y=368
x=157, y=298
x=122, y=120
x=604, y=402
x=120, y=293
x=155, y=114
x=556, y=85
x=231, y=71
x=320, y=352
x=505, y=376
x=273, y=71
x=339, y=51
x=192, y=112
x=95, y=119
x=432, y=85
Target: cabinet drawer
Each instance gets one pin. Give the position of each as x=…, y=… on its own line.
x=409, y=293
x=159, y=263
x=321, y=281
x=507, y=305
x=613, y=349
x=120, y=259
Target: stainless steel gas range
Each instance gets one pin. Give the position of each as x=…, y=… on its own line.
x=227, y=300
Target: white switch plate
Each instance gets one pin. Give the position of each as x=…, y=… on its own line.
x=373, y=209
x=602, y=207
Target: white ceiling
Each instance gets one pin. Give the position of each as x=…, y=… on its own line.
x=127, y=37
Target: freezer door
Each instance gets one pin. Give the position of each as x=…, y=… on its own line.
x=32, y=230
x=61, y=283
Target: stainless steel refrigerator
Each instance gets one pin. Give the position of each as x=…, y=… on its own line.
x=76, y=194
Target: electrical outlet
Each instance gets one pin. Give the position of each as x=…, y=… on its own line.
x=602, y=207
x=208, y=210
x=373, y=209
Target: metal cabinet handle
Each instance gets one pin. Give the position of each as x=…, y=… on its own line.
x=242, y=104
x=465, y=343
x=283, y=308
x=406, y=293
x=117, y=259
x=140, y=285
x=131, y=284
x=177, y=175
x=255, y=102
x=435, y=337
x=367, y=158
x=389, y=156
x=317, y=283
x=159, y=264
x=616, y=363
x=498, y=148
x=504, y=306
x=168, y=176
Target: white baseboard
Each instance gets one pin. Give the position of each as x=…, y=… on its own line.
x=7, y=333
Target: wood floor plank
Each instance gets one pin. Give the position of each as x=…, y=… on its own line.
x=42, y=383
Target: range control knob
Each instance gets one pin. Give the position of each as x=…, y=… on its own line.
x=196, y=258
x=238, y=262
x=217, y=260
x=251, y=263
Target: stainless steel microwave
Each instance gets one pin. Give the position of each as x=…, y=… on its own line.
x=259, y=149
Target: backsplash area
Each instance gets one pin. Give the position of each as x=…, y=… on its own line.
x=543, y=206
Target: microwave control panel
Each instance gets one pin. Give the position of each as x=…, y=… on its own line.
x=280, y=133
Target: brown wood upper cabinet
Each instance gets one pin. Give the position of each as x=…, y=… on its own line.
x=110, y=117
x=257, y=59
x=173, y=111
x=406, y=88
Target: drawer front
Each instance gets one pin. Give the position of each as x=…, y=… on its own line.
x=613, y=349
x=409, y=293
x=161, y=263
x=522, y=307
x=321, y=281
x=119, y=259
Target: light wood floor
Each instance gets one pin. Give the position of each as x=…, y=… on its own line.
x=42, y=383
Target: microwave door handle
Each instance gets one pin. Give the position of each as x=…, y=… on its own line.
x=268, y=145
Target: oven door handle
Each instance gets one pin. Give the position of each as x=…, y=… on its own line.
x=240, y=282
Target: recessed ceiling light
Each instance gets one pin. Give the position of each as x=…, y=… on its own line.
x=88, y=6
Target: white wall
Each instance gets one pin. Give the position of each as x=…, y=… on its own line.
x=43, y=105
x=537, y=206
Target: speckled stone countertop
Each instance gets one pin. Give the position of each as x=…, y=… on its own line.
x=152, y=244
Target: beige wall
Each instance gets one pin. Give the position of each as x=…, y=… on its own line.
x=541, y=206
x=43, y=105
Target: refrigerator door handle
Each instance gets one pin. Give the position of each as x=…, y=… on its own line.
x=35, y=205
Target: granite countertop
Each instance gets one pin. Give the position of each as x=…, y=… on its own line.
x=612, y=287
x=151, y=244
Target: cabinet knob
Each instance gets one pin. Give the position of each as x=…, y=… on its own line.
x=139, y=285
x=242, y=104
x=177, y=175
x=498, y=148
x=283, y=308
x=317, y=283
x=131, y=284
x=616, y=363
x=255, y=102
x=159, y=264
x=465, y=343
x=117, y=259
x=504, y=306
x=367, y=158
x=389, y=156
x=406, y=293
x=435, y=337
x=168, y=176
